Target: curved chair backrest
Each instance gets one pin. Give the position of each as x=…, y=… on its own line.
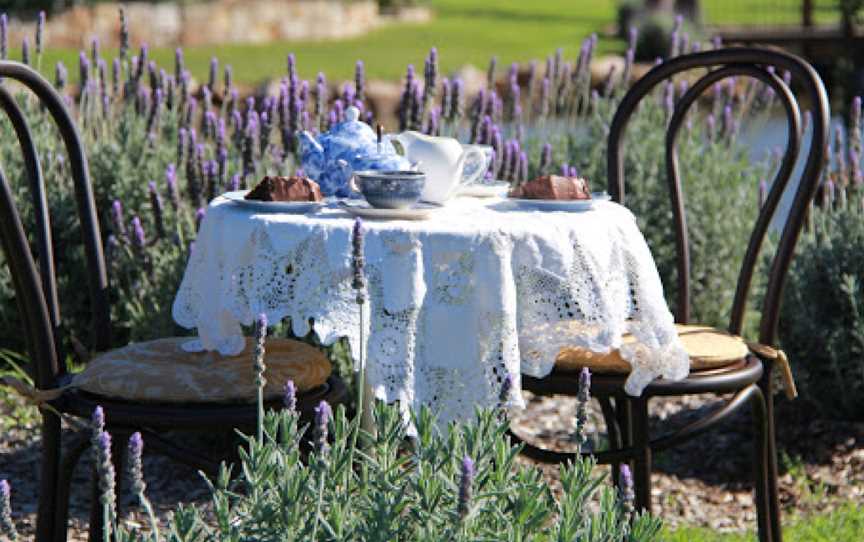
x=36, y=290
x=760, y=64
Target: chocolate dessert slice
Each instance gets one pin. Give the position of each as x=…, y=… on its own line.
x=286, y=189
x=553, y=187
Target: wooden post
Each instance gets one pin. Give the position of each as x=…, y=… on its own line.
x=807, y=13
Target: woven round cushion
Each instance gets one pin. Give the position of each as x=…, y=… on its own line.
x=161, y=371
x=709, y=348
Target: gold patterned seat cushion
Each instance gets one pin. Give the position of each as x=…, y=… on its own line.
x=708, y=347
x=161, y=371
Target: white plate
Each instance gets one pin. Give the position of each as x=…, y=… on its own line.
x=496, y=189
x=238, y=197
x=420, y=211
x=558, y=205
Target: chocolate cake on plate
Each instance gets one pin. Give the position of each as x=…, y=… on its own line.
x=292, y=188
x=553, y=187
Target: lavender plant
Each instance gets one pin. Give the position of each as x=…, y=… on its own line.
x=822, y=323
x=465, y=485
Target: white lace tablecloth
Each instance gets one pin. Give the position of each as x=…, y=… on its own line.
x=456, y=302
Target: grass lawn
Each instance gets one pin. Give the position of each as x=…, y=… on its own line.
x=844, y=525
x=465, y=32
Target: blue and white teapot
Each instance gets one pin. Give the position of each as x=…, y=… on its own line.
x=349, y=146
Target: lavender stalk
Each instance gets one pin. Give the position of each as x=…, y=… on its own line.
x=7, y=526
x=139, y=486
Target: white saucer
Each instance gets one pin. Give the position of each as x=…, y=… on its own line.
x=558, y=205
x=495, y=189
x=419, y=211
x=297, y=207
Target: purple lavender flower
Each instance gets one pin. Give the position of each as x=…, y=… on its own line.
x=632, y=36
x=457, y=101
x=291, y=65
x=360, y=81
x=105, y=473
x=259, y=366
x=627, y=494
x=763, y=192
x=171, y=184
x=235, y=182
x=40, y=33
x=97, y=420
x=728, y=121
x=124, y=34
x=138, y=231
x=320, y=96
x=490, y=73
x=157, y=208
x=522, y=167
x=358, y=260
x=855, y=126
x=4, y=36
x=136, y=467
x=199, y=217
x=289, y=396
x=546, y=159
x=212, y=74
x=115, y=77
x=583, y=396
x=25, y=51
x=466, y=481
x=179, y=64
x=303, y=93
x=545, y=88
x=711, y=126
x=7, y=526
x=60, y=76
x=323, y=413
x=117, y=218
x=94, y=50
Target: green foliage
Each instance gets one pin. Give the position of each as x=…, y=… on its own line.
x=401, y=490
x=822, y=323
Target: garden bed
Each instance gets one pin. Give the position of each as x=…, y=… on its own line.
x=822, y=467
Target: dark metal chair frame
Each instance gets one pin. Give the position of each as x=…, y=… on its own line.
x=750, y=380
x=39, y=308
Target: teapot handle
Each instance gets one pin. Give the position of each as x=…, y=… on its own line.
x=470, y=155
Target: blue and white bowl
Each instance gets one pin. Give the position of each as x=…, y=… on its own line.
x=390, y=189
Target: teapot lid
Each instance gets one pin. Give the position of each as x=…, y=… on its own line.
x=352, y=126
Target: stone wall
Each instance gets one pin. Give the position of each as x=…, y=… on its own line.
x=220, y=21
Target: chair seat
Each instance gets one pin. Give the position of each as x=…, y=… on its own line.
x=160, y=371
x=708, y=348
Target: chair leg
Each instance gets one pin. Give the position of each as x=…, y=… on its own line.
x=760, y=466
x=766, y=384
x=642, y=460
x=64, y=485
x=613, y=430
x=51, y=445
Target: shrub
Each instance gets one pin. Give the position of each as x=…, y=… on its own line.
x=462, y=485
x=822, y=323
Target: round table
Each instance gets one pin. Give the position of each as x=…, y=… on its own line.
x=478, y=291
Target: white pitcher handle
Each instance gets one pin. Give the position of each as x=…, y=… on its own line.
x=469, y=155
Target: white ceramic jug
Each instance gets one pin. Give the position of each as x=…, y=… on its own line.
x=442, y=159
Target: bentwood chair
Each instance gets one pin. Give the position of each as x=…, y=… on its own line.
x=122, y=380
x=721, y=360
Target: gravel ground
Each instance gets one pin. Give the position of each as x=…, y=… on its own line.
x=822, y=465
